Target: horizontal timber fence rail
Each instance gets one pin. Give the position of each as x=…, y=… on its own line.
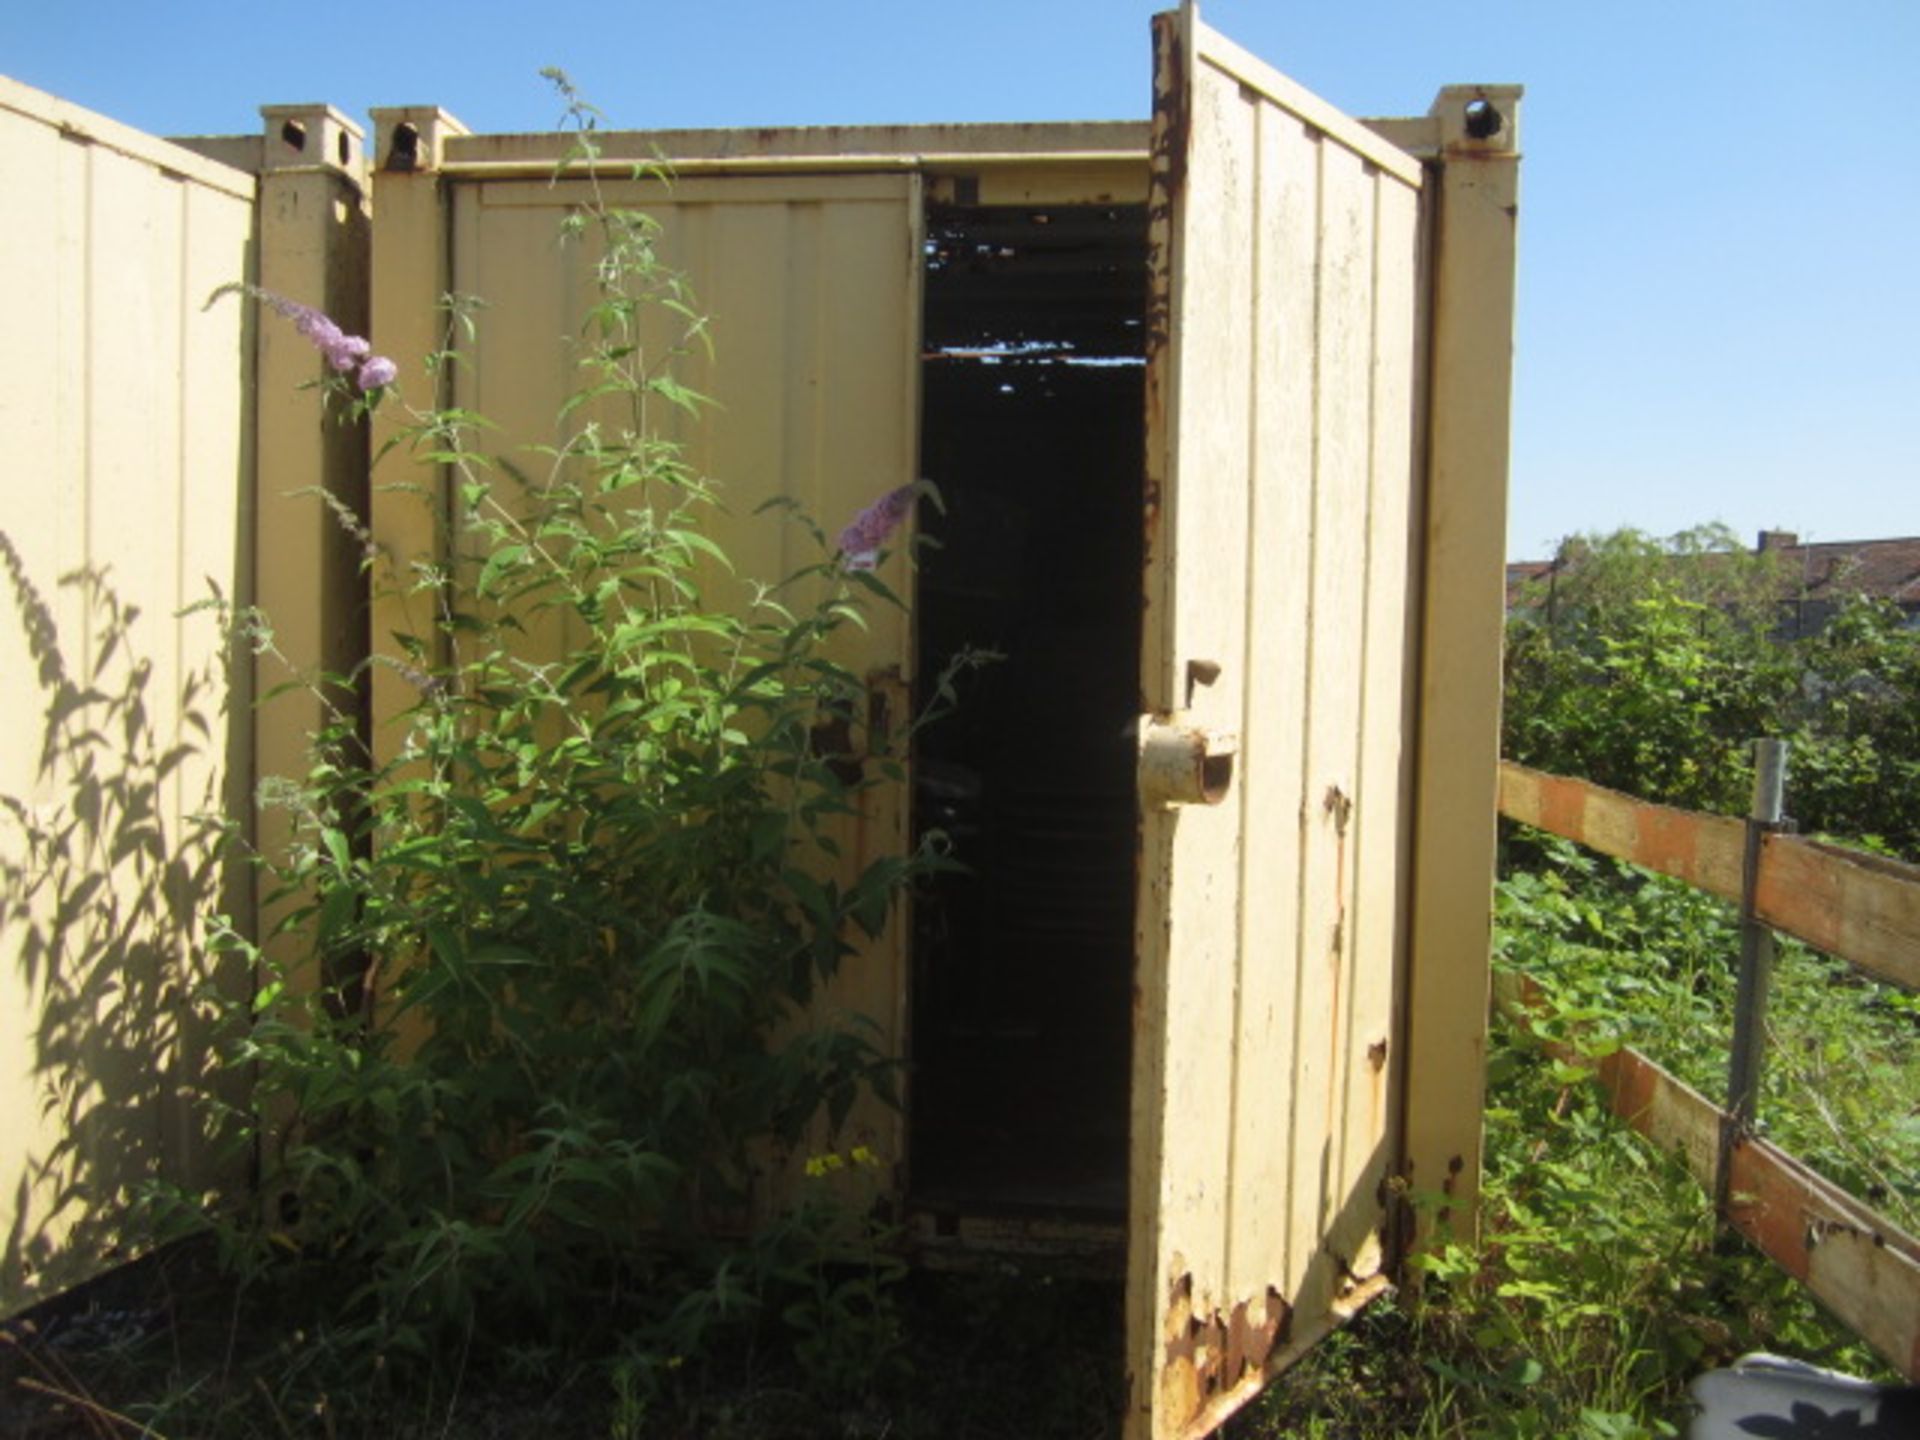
x=1858, y=907
x=1863, y=908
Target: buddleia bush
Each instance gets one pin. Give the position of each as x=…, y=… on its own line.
x=541, y=1004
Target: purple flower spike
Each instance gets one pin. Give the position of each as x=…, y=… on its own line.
x=344, y=352
x=349, y=352
x=315, y=326
x=860, y=542
x=377, y=372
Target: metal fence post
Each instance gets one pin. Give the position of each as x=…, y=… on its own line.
x=1756, y=959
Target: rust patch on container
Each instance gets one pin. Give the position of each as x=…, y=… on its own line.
x=1376, y=1086
x=1167, y=158
x=1167, y=165
x=1402, y=1223
x=1253, y=1334
x=1208, y=1354
x=1337, y=805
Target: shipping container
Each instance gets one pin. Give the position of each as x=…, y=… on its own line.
x=1217, y=405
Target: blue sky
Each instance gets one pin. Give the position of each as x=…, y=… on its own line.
x=1720, y=217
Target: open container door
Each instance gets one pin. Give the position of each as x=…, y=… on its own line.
x=1279, y=659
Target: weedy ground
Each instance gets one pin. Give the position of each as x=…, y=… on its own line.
x=980, y=1356
x=1598, y=1287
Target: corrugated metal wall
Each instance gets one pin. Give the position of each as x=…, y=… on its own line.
x=123, y=420
x=812, y=283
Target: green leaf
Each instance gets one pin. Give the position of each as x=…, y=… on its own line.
x=500, y=563
x=336, y=844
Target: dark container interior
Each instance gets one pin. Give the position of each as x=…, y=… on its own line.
x=1022, y=966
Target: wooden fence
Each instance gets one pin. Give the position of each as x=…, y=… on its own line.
x=1858, y=907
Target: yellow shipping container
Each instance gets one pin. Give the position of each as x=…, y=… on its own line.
x=1218, y=406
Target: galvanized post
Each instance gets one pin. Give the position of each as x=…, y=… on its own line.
x=1756, y=958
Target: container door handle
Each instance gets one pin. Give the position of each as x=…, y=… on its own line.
x=1183, y=762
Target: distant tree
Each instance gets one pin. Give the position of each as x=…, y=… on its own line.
x=1649, y=665
x=1856, y=737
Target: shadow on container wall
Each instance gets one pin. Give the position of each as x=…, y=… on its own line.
x=107, y=877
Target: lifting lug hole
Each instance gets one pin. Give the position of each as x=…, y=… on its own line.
x=1483, y=121
x=404, y=152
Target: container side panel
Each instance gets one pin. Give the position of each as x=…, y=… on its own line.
x=533, y=308
x=765, y=340
x=122, y=408
x=218, y=495
x=808, y=289
x=41, y=405
x=110, y=1123
x=1211, y=480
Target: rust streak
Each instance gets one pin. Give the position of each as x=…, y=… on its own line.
x=1376, y=1087
x=1339, y=806
x=1172, y=119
